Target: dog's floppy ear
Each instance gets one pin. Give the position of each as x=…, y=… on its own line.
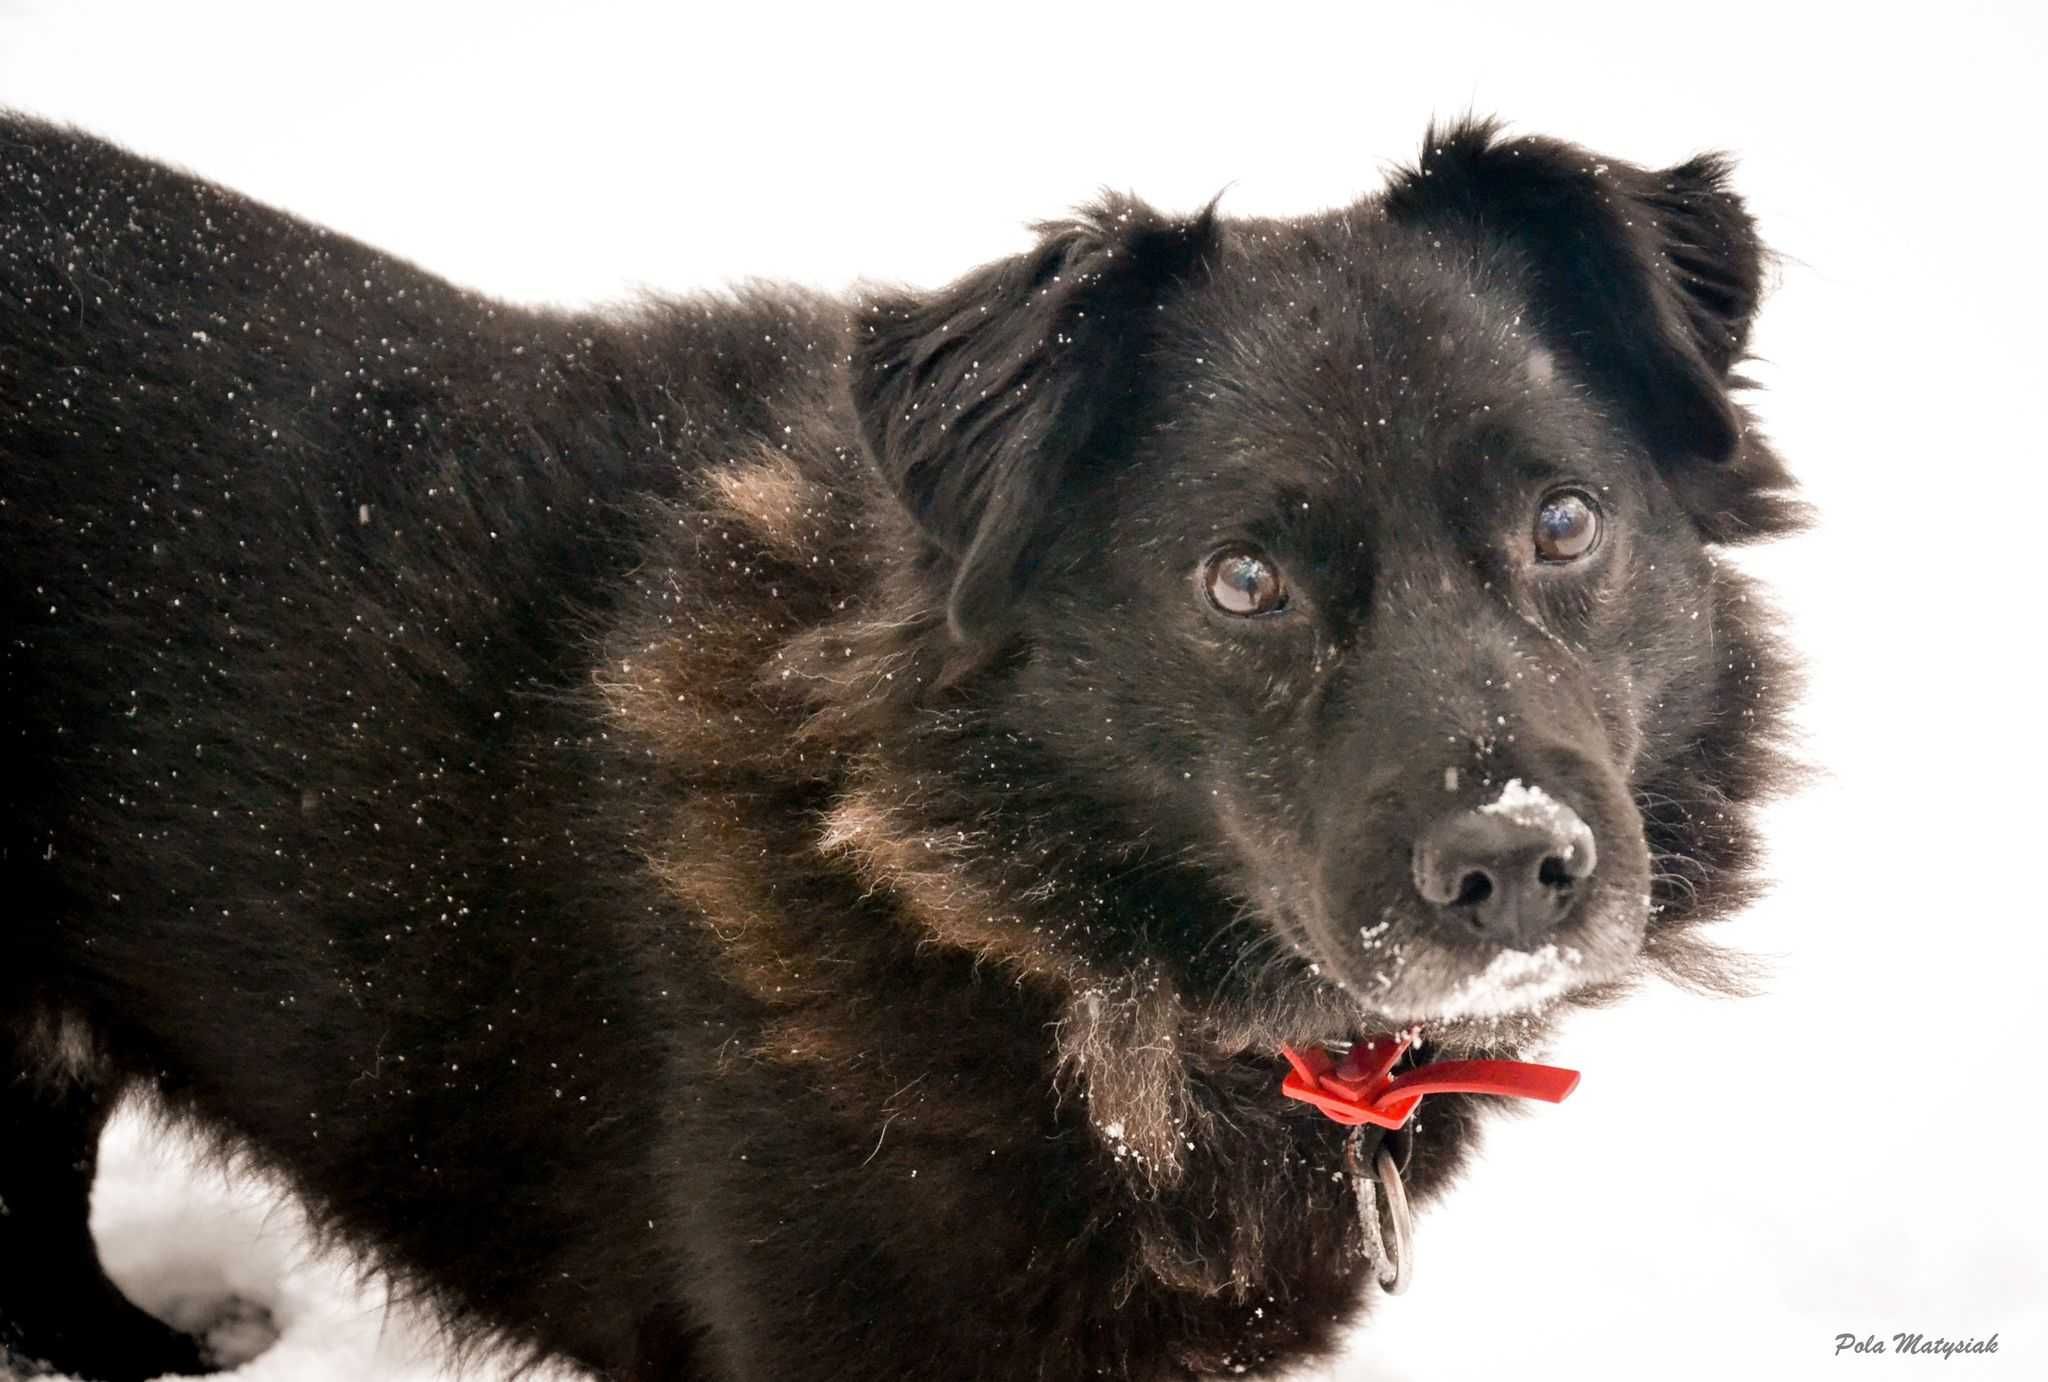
x=976, y=401
x=1648, y=279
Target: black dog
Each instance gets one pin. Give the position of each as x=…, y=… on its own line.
x=753, y=839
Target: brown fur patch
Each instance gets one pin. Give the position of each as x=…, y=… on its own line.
x=782, y=508
x=930, y=872
x=714, y=864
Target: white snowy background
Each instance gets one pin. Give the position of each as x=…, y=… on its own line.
x=1736, y=1182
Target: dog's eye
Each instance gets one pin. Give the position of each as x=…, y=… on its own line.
x=1567, y=526
x=1241, y=581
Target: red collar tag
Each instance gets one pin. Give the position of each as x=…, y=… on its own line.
x=1357, y=1089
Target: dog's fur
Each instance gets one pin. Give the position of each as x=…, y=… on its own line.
x=720, y=841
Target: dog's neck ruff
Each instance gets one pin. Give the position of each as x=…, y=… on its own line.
x=1360, y=1087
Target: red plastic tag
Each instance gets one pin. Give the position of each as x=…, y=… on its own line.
x=1357, y=1089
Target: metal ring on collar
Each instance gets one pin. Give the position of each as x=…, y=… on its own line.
x=1397, y=1234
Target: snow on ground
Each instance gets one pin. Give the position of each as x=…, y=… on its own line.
x=181, y=1239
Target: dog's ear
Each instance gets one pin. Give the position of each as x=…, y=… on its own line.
x=977, y=401
x=1649, y=280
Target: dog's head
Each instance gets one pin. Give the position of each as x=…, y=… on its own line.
x=1361, y=568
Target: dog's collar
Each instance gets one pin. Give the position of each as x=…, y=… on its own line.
x=1360, y=1087
x=1360, y=1090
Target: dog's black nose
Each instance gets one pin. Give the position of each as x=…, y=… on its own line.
x=1505, y=872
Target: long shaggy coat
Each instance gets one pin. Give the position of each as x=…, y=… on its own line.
x=723, y=841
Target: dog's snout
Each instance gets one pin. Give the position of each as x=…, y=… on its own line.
x=1502, y=873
